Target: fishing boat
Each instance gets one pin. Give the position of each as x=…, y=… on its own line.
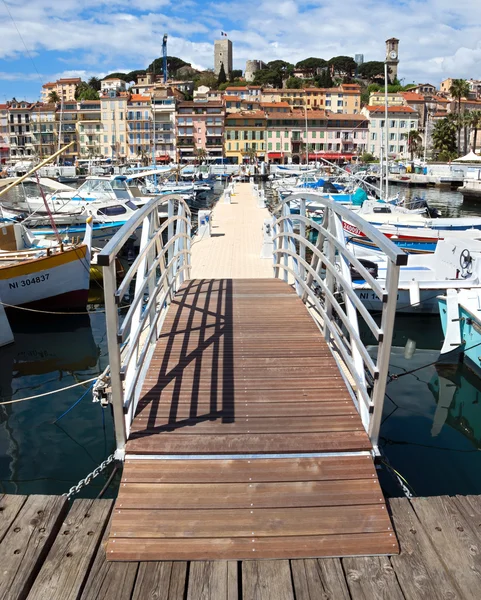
x=460, y=312
x=42, y=274
x=455, y=265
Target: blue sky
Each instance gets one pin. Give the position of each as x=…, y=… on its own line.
x=439, y=38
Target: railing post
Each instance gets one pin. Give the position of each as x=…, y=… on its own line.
x=285, y=245
x=384, y=351
x=302, y=233
x=330, y=281
x=170, y=252
x=112, y=326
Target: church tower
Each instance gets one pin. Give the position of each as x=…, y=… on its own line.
x=392, y=57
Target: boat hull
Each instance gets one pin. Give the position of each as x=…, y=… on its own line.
x=58, y=281
x=427, y=303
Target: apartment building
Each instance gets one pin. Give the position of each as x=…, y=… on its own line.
x=19, y=130
x=43, y=129
x=319, y=133
x=65, y=88
x=245, y=136
x=112, y=84
x=114, y=117
x=90, y=128
x=66, y=117
x=345, y=99
x=163, y=106
x=4, y=135
x=200, y=125
x=402, y=119
x=139, y=128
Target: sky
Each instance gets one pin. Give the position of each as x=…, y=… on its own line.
x=42, y=40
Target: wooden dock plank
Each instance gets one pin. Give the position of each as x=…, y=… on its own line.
x=371, y=577
x=244, y=523
x=248, y=548
x=10, y=506
x=242, y=470
x=277, y=494
x=266, y=580
x=67, y=566
x=419, y=570
x=313, y=579
x=161, y=581
x=454, y=541
x=210, y=580
x=27, y=542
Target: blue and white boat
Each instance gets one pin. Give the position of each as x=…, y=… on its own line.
x=460, y=312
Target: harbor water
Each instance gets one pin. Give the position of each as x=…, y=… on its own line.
x=431, y=431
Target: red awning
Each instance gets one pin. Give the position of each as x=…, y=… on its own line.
x=331, y=156
x=163, y=158
x=274, y=155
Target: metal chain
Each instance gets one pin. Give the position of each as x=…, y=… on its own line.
x=84, y=482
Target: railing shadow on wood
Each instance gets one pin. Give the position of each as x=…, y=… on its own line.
x=162, y=265
x=325, y=285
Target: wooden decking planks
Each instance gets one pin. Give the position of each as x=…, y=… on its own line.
x=223, y=365
x=214, y=509
x=241, y=369
x=439, y=558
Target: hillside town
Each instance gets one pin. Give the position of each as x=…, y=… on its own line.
x=244, y=117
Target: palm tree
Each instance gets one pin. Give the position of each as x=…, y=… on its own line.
x=475, y=123
x=414, y=142
x=459, y=89
x=444, y=137
x=200, y=154
x=94, y=82
x=53, y=97
x=251, y=155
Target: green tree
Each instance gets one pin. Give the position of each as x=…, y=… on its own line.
x=444, y=137
x=123, y=76
x=85, y=92
x=235, y=74
x=324, y=80
x=222, y=78
x=475, y=123
x=208, y=79
x=251, y=155
x=295, y=83
x=343, y=65
x=367, y=157
x=200, y=155
x=53, y=97
x=414, y=142
x=372, y=71
x=173, y=65
x=94, y=82
x=459, y=89
x=312, y=63
x=132, y=76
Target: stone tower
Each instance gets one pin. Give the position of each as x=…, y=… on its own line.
x=392, y=57
x=223, y=55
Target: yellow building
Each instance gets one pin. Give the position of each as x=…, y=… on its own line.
x=65, y=88
x=378, y=99
x=245, y=134
x=345, y=99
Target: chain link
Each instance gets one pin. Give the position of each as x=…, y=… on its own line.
x=84, y=482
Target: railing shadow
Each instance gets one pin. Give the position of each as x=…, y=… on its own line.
x=203, y=374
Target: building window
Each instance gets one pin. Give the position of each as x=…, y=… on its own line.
x=278, y=146
x=269, y=134
x=413, y=125
x=286, y=147
x=392, y=149
x=402, y=124
x=392, y=124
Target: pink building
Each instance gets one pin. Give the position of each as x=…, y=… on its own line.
x=200, y=126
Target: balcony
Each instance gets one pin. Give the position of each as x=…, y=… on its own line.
x=87, y=117
x=185, y=142
x=214, y=142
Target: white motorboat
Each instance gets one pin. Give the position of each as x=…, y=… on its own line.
x=455, y=264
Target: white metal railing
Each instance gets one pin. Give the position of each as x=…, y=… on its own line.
x=162, y=265
x=323, y=281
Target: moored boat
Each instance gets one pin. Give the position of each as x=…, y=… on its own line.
x=43, y=275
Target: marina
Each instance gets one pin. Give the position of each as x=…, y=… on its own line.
x=240, y=331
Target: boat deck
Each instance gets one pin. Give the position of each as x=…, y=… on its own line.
x=51, y=552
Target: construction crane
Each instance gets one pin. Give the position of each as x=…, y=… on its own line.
x=164, y=56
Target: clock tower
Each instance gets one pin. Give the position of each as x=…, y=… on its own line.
x=392, y=57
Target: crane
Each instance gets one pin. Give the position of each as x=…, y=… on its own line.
x=164, y=57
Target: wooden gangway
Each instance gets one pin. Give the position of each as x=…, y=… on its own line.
x=244, y=440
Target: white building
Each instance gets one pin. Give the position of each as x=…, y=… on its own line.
x=112, y=84
x=114, y=116
x=402, y=119
x=163, y=122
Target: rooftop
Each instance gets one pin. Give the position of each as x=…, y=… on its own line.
x=391, y=109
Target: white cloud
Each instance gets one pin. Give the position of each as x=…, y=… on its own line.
x=439, y=38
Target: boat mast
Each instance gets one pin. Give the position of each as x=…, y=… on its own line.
x=59, y=144
x=386, y=128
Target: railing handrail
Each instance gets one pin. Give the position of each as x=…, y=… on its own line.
x=395, y=254
x=108, y=253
